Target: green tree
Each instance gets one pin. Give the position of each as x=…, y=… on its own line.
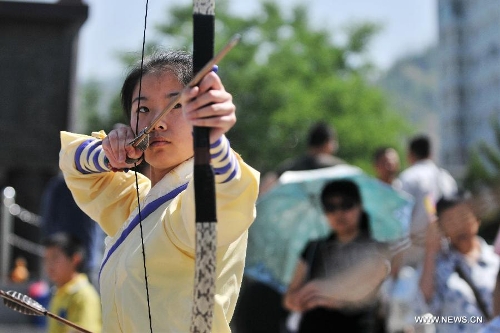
x=284, y=75
x=97, y=113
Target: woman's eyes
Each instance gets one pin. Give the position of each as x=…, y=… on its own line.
x=144, y=109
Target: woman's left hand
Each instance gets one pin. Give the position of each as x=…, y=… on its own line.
x=209, y=105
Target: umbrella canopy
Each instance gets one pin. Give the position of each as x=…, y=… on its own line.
x=290, y=214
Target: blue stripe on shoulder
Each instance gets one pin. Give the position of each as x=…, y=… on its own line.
x=150, y=208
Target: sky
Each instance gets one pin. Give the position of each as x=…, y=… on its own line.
x=116, y=26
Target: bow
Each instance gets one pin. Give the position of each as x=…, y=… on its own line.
x=204, y=183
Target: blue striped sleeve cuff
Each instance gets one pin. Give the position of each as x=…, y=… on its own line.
x=224, y=161
x=90, y=157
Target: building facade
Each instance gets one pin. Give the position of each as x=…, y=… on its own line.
x=469, y=71
x=38, y=48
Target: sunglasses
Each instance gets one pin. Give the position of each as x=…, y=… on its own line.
x=344, y=206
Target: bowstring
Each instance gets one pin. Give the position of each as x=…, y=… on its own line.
x=135, y=169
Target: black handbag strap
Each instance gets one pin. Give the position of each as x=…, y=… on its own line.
x=479, y=299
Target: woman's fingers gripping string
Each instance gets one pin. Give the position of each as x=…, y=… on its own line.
x=117, y=148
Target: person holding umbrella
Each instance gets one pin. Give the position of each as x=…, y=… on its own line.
x=330, y=285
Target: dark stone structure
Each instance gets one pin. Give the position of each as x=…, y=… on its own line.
x=38, y=44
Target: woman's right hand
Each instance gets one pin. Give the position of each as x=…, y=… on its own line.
x=117, y=147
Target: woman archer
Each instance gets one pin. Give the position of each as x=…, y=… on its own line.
x=166, y=216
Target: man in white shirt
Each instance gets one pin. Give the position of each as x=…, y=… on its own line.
x=427, y=183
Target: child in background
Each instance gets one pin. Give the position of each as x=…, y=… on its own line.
x=74, y=298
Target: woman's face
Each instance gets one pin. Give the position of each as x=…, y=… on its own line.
x=343, y=214
x=171, y=141
x=460, y=225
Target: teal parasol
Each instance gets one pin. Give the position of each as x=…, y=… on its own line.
x=290, y=214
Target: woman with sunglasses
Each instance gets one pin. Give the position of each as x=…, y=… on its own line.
x=337, y=278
